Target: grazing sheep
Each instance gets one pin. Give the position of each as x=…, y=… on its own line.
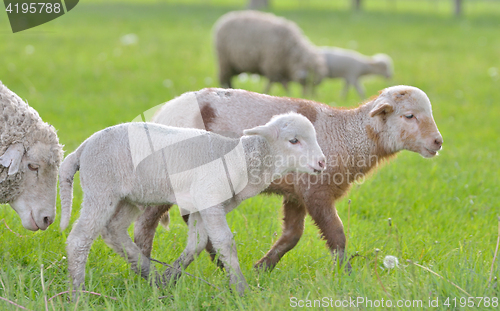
x=126, y=167
x=353, y=140
x=262, y=43
x=30, y=155
x=351, y=65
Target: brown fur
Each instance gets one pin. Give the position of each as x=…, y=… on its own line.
x=353, y=142
x=207, y=114
x=308, y=111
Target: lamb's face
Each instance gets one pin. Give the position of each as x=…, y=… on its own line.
x=298, y=147
x=292, y=138
x=382, y=65
x=408, y=118
x=37, y=203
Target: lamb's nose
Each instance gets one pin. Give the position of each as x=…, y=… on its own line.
x=438, y=142
x=47, y=220
x=322, y=164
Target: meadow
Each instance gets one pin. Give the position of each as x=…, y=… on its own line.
x=81, y=74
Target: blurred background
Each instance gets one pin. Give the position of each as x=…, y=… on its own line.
x=105, y=62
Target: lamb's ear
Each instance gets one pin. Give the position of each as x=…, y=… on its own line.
x=381, y=108
x=12, y=158
x=267, y=131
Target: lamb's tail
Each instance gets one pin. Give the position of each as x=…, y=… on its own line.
x=67, y=171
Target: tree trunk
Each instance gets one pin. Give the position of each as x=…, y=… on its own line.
x=356, y=4
x=458, y=7
x=258, y=4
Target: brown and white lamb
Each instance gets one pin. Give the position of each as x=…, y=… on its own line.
x=354, y=141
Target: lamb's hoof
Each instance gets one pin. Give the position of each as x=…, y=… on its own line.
x=265, y=265
x=241, y=288
x=156, y=279
x=76, y=293
x=347, y=267
x=170, y=277
x=217, y=261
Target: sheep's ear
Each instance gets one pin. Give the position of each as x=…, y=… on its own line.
x=12, y=158
x=267, y=131
x=382, y=108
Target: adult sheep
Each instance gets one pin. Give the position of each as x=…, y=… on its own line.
x=353, y=140
x=126, y=167
x=351, y=65
x=262, y=43
x=30, y=157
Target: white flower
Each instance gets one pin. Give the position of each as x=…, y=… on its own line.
x=390, y=262
x=29, y=49
x=129, y=39
x=243, y=77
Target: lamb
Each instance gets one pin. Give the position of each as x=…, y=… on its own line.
x=355, y=141
x=128, y=167
x=262, y=43
x=30, y=157
x=351, y=65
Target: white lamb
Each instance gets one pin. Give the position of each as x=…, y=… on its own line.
x=351, y=65
x=128, y=166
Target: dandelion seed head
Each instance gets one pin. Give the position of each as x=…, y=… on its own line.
x=391, y=262
x=129, y=39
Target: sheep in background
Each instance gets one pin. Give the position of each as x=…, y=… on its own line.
x=355, y=141
x=351, y=65
x=262, y=43
x=126, y=168
x=30, y=155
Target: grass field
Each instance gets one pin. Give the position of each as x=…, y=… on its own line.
x=81, y=78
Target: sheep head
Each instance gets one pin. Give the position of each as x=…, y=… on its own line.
x=402, y=117
x=382, y=65
x=292, y=138
x=38, y=177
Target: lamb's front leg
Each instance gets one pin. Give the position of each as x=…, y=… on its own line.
x=214, y=220
x=345, y=89
x=93, y=218
x=197, y=241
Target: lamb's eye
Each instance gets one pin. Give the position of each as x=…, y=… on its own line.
x=294, y=141
x=33, y=167
x=410, y=116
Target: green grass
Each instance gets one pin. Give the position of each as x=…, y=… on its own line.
x=81, y=79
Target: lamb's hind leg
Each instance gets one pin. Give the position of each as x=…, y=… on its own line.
x=293, y=227
x=94, y=217
x=221, y=237
x=145, y=227
x=197, y=240
x=116, y=236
